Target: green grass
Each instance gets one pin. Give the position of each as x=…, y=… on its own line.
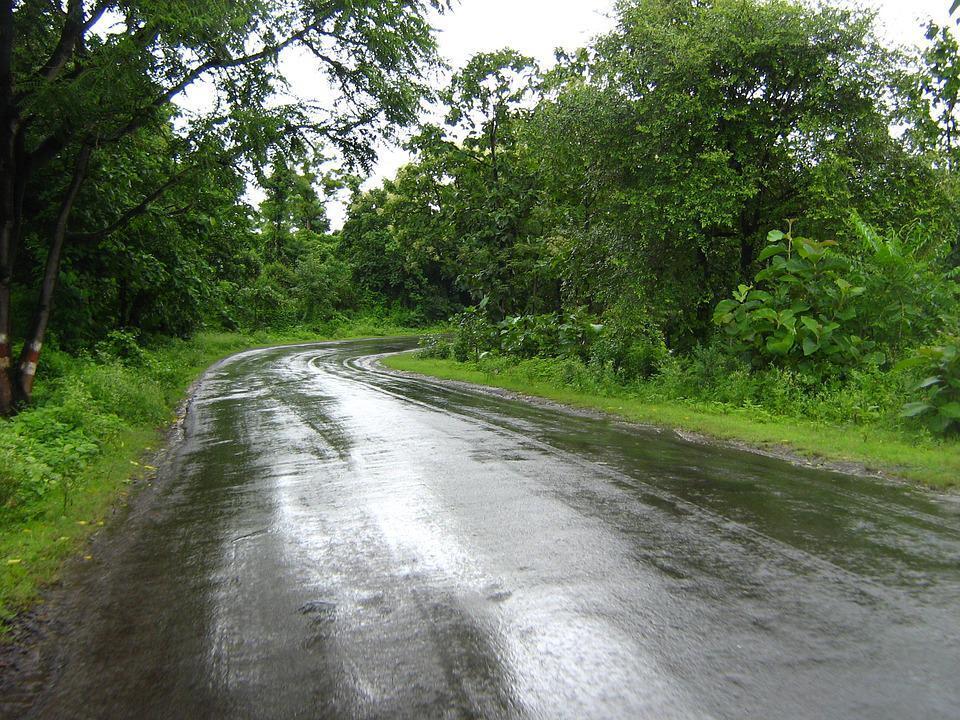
x=902, y=453
x=92, y=423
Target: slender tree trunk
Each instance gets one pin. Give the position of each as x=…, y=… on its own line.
x=6, y=378
x=9, y=129
x=30, y=355
x=8, y=233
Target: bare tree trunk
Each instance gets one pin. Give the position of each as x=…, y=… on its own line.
x=30, y=355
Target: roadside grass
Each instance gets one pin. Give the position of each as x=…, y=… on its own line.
x=67, y=462
x=902, y=453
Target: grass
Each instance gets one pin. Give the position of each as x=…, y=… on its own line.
x=902, y=453
x=66, y=464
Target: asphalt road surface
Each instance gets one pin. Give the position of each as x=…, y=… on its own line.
x=335, y=541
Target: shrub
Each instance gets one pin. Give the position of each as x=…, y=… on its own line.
x=802, y=312
x=475, y=335
x=939, y=403
x=435, y=346
x=910, y=300
x=124, y=392
x=120, y=345
x=630, y=344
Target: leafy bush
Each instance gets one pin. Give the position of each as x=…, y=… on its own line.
x=117, y=390
x=44, y=448
x=120, y=345
x=435, y=346
x=630, y=344
x=475, y=334
x=939, y=406
x=910, y=300
x=548, y=335
x=802, y=313
x=524, y=336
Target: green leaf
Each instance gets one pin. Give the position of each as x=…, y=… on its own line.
x=781, y=345
x=725, y=306
x=932, y=380
x=770, y=251
x=950, y=410
x=940, y=423
x=909, y=363
x=810, y=346
x=915, y=408
x=775, y=235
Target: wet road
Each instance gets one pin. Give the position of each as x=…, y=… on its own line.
x=335, y=541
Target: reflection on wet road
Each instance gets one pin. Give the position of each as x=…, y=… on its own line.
x=337, y=541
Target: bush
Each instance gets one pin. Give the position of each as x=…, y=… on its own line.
x=524, y=336
x=117, y=390
x=435, y=347
x=803, y=311
x=939, y=403
x=120, y=345
x=475, y=335
x=910, y=301
x=44, y=448
x=630, y=344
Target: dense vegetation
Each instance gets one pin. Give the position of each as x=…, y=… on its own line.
x=743, y=202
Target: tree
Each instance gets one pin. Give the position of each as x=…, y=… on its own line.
x=80, y=77
x=716, y=121
x=494, y=190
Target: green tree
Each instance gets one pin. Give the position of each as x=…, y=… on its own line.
x=715, y=121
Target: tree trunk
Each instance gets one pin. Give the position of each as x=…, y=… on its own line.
x=9, y=130
x=30, y=355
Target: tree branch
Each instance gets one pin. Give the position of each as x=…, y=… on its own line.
x=73, y=28
x=132, y=213
x=213, y=64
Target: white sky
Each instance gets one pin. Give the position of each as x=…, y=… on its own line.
x=537, y=27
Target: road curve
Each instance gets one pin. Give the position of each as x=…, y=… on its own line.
x=336, y=541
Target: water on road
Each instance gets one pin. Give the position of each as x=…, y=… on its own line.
x=334, y=541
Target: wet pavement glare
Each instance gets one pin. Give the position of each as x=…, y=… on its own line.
x=336, y=541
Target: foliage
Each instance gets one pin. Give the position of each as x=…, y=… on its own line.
x=475, y=334
x=939, y=406
x=803, y=310
x=911, y=296
x=550, y=335
x=631, y=344
x=435, y=346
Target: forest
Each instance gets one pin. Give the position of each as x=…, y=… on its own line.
x=746, y=204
